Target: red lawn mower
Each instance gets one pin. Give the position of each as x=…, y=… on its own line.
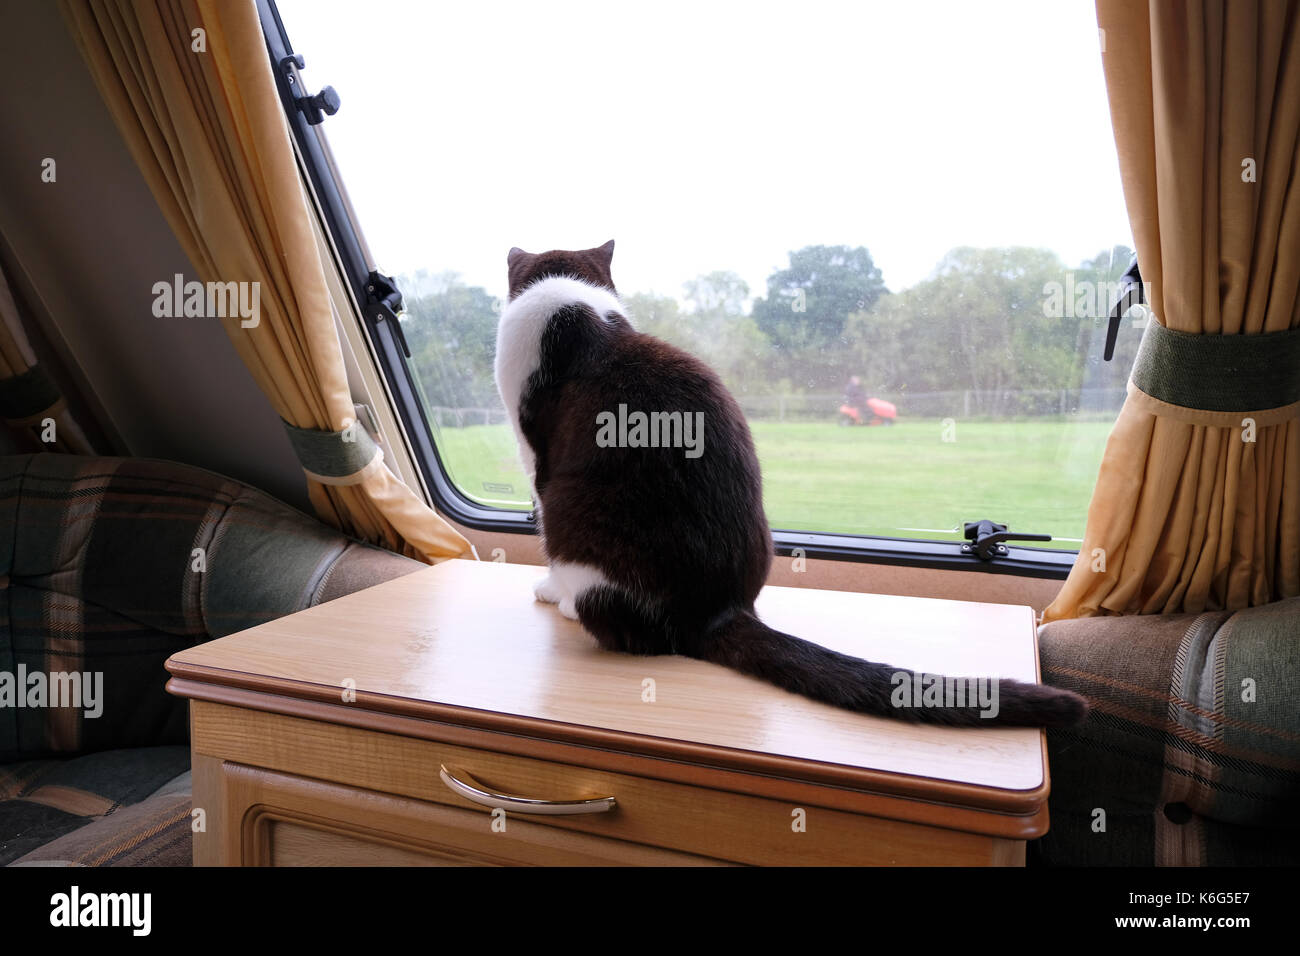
x=882, y=413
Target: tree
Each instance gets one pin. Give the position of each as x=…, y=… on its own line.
x=717, y=292
x=660, y=316
x=451, y=330
x=715, y=330
x=808, y=302
x=976, y=324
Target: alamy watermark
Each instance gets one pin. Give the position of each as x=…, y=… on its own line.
x=626, y=429
x=935, y=690
x=37, y=689
x=1086, y=299
x=75, y=908
x=208, y=300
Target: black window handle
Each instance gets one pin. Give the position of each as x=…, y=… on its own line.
x=315, y=107
x=987, y=537
x=1131, y=294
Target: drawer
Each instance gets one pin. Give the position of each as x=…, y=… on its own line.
x=362, y=774
x=267, y=818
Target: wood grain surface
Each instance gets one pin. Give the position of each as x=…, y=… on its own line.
x=468, y=638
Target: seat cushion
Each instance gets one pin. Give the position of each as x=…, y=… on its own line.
x=157, y=831
x=42, y=801
x=1191, y=754
x=108, y=566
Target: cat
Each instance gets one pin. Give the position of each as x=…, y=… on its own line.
x=651, y=549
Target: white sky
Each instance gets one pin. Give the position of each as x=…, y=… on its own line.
x=711, y=135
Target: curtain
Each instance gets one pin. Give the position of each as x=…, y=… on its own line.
x=30, y=401
x=202, y=118
x=1198, y=508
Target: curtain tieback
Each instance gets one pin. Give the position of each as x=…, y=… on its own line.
x=344, y=457
x=1220, y=373
x=28, y=397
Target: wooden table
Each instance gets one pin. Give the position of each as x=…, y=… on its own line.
x=367, y=729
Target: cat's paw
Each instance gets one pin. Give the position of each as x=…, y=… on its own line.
x=546, y=591
x=569, y=608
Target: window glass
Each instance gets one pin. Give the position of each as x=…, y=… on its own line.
x=894, y=229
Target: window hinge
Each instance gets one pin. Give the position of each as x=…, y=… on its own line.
x=384, y=301
x=315, y=108
x=987, y=537
x=1130, y=295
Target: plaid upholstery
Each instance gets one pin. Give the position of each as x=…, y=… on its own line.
x=99, y=575
x=42, y=800
x=110, y=565
x=1192, y=749
x=157, y=831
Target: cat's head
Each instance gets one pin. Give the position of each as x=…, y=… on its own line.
x=589, y=265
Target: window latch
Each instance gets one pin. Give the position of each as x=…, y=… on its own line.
x=1130, y=295
x=317, y=107
x=987, y=537
x=384, y=301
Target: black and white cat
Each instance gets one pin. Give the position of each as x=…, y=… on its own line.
x=654, y=547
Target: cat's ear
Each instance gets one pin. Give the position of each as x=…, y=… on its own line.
x=607, y=252
x=514, y=254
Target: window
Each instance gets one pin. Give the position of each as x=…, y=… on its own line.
x=895, y=230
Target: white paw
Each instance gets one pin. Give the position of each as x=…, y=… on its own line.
x=546, y=591
x=569, y=609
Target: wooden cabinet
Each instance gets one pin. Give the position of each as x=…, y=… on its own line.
x=338, y=736
x=277, y=819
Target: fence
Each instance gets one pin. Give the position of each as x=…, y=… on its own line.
x=963, y=403
x=821, y=407
x=445, y=417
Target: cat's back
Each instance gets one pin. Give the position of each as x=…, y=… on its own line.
x=638, y=442
x=637, y=373
x=527, y=319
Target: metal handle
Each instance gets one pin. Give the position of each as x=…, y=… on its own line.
x=475, y=792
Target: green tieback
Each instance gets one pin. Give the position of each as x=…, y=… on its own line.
x=1219, y=373
x=334, y=458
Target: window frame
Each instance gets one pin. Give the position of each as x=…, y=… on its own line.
x=339, y=222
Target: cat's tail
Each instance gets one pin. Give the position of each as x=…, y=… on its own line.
x=744, y=643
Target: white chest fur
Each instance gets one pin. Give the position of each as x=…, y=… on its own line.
x=519, y=339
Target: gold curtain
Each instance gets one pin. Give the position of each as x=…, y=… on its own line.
x=202, y=117
x=1189, y=514
x=51, y=426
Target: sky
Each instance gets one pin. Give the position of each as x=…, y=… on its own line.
x=710, y=136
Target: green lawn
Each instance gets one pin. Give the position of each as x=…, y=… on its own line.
x=902, y=481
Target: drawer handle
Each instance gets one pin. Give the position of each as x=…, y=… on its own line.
x=475, y=792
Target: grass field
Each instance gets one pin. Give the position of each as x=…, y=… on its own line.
x=902, y=481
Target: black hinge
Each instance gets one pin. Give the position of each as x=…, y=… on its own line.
x=987, y=537
x=1130, y=295
x=315, y=108
x=384, y=301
